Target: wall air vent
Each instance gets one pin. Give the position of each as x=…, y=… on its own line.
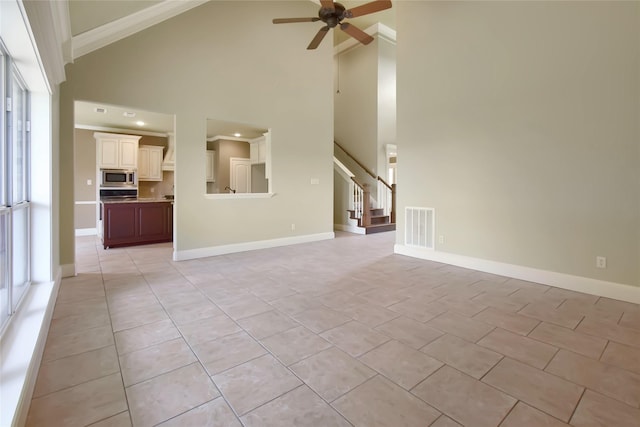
x=100, y=110
x=419, y=227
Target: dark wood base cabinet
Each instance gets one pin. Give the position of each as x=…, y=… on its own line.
x=128, y=224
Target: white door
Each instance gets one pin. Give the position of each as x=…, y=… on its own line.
x=240, y=174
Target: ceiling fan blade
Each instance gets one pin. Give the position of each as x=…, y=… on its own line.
x=356, y=33
x=290, y=20
x=318, y=38
x=327, y=4
x=367, y=8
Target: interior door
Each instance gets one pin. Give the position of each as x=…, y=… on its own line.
x=240, y=174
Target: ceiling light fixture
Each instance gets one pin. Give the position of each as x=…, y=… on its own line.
x=140, y=123
x=237, y=135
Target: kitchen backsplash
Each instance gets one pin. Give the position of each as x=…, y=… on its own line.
x=160, y=188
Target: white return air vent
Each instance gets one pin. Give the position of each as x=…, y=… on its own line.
x=419, y=227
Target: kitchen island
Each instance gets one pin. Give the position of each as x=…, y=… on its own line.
x=136, y=221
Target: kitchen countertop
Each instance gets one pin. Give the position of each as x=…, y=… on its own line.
x=139, y=200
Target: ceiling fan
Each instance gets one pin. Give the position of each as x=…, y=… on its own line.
x=332, y=14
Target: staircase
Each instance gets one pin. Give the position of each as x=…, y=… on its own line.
x=379, y=222
x=367, y=214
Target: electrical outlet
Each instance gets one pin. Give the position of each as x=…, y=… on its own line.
x=89, y=182
x=153, y=190
x=293, y=227
x=601, y=262
x=441, y=239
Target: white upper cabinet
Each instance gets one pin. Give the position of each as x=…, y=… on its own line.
x=211, y=170
x=258, y=150
x=150, y=163
x=115, y=151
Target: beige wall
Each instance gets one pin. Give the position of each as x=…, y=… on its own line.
x=227, y=61
x=85, y=166
x=386, y=101
x=356, y=106
x=518, y=122
x=259, y=184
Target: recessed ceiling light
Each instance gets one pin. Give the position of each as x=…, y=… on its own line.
x=129, y=114
x=140, y=123
x=100, y=110
x=237, y=135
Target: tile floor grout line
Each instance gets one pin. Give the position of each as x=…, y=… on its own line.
x=115, y=345
x=551, y=359
x=204, y=369
x=509, y=411
x=575, y=408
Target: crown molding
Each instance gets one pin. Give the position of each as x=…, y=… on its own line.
x=227, y=138
x=377, y=29
x=62, y=26
x=119, y=130
x=109, y=33
x=49, y=28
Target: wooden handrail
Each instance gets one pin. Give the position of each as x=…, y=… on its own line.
x=353, y=178
x=384, y=182
x=371, y=174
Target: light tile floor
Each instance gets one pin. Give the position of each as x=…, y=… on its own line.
x=332, y=333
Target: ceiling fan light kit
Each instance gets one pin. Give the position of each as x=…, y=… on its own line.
x=332, y=14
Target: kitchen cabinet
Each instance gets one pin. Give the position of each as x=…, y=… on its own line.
x=258, y=150
x=136, y=223
x=211, y=169
x=150, y=163
x=116, y=151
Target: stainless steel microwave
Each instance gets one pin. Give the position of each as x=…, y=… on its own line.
x=119, y=178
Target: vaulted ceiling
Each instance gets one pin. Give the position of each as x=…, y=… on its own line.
x=96, y=23
x=92, y=24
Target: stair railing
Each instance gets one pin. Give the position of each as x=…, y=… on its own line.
x=360, y=201
x=387, y=198
x=386, y=193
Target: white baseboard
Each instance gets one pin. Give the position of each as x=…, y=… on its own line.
x=68, y=270
x=349, y=228
x=22, y=348
x=249, y=246
x=86, y=231
x=587, y=285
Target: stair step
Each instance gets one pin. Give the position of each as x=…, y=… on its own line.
x=379, y=219
x=373, y=213
x=379, y=228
